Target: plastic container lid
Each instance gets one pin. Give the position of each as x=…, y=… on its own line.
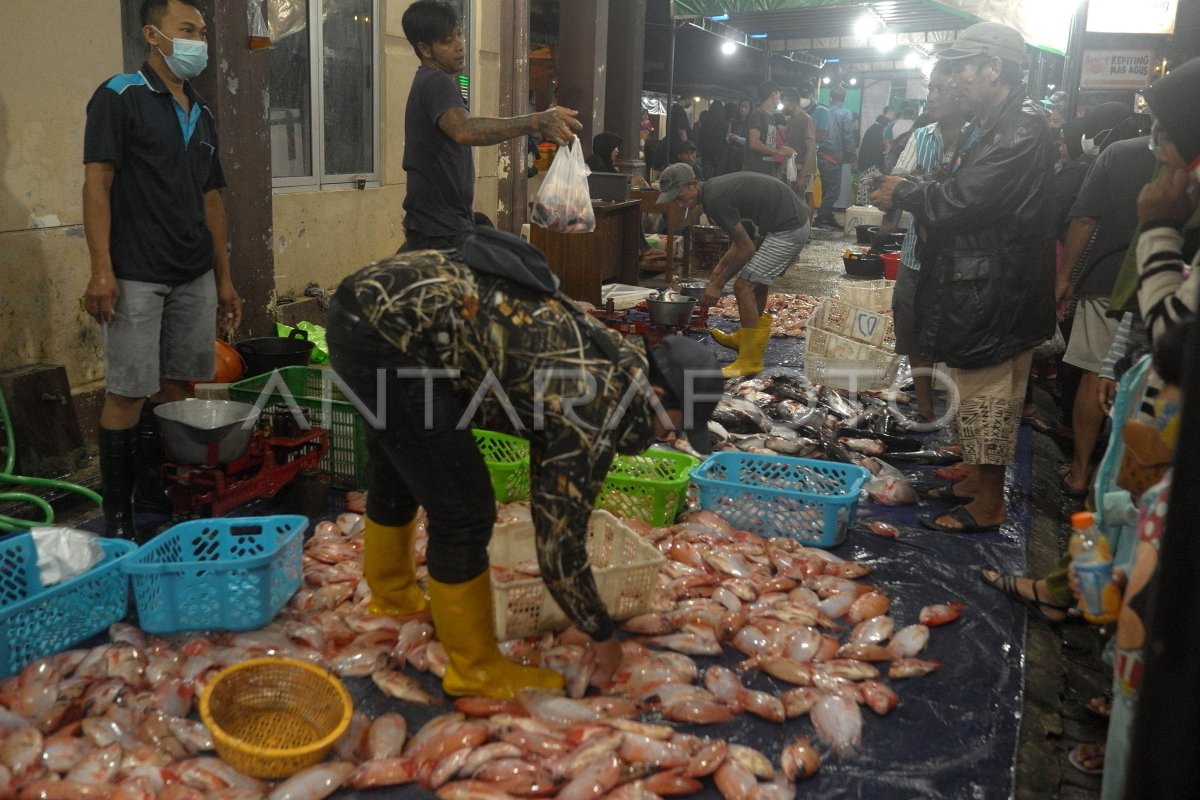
x=1081, y=520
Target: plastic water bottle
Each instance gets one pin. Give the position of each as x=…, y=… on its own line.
x=1092, y=560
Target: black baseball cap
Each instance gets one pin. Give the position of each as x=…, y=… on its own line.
x=691, y=372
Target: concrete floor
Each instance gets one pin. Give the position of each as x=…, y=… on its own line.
x=1063, y=666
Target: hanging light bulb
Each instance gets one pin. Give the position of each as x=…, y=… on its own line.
x=729, y=48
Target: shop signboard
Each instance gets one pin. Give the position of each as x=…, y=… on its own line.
x=1132, y=16
x=1115, y=69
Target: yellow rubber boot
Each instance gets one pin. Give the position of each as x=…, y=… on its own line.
x=753, y=344
x=390, y=569
x=462, y=617
x=730, y=340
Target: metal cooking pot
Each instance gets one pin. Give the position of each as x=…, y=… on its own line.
x=708, y=234
x=206, y=432
x=692, y=288
x=676, y=311
x=274, y=352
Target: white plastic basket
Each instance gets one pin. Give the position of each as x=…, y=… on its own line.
x=872, y=295
x=854, y=322
x=624, y=564
x=877, y=372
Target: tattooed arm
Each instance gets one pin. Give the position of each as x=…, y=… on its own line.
x=556, y=124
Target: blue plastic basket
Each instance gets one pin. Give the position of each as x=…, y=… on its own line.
x=37, y=621
x=230, y=574
x=800, y=498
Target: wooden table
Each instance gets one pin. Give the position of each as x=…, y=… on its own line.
x=583, y=261
x=675, y=217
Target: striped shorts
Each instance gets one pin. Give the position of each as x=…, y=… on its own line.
x=775, y=255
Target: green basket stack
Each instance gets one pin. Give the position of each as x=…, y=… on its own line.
x=317, y=390
x=651, y=487
x=507, y=459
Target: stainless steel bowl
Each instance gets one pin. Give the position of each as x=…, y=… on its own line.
x=708, y=234
x=692, y=288
x=206, y=432
x=676, y=311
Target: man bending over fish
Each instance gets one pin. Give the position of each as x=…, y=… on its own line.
x=481, y=335
x=769, y=227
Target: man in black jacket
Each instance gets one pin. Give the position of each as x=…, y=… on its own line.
x=986, y=293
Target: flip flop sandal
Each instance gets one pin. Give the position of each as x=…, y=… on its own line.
x=1008, y=585
x=1065, y=487
x=1080, y=761
x=944, y=493
x=966, y=521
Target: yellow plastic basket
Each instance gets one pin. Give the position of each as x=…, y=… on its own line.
x=272, y=717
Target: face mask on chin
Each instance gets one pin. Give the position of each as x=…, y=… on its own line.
x=188, y=58
x=805, y=102
x=1089, y=146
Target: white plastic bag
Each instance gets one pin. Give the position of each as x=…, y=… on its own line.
x=564, y=203
x=1055, y=346
x=64, y=553
x=789, y=169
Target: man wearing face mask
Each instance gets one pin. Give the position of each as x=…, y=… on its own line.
x=1104, y=214
x=160, y=282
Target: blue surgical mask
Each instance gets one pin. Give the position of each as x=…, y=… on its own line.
x=188, y=57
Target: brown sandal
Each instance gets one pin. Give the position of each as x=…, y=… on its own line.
x=1008, y=585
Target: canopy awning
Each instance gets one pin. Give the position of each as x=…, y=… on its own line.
x=1044, y=24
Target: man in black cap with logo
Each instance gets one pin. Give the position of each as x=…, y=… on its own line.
x=985, y=297
x=432, y=342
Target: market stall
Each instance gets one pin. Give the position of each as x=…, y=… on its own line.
x=951, y=733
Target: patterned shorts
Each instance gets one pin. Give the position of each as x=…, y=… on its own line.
x=990, y=409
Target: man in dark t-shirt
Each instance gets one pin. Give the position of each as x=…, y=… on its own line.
x=769, y=227
x=160, y=284
x=763, y=155
x=679, y=127
x=439, y=131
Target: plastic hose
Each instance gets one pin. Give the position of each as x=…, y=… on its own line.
x=8, y=523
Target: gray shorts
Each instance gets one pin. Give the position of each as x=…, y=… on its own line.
x=161, y=332
x=1092, y=333
x=776, y=254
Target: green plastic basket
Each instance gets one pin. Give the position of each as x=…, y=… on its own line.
x=507, y=459
x=651, y=487
x=317, y=390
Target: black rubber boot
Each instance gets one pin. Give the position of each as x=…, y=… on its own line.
x=149, y=455
x=116, y=482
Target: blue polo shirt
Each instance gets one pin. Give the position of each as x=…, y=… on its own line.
x=165, y=161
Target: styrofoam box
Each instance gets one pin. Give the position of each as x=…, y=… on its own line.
x=862, y=215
